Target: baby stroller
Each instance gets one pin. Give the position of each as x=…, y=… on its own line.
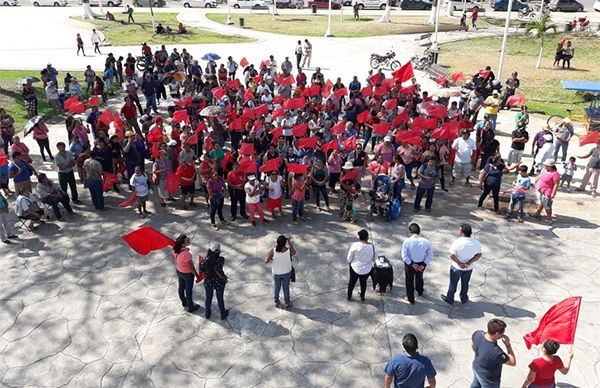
x=381, y=196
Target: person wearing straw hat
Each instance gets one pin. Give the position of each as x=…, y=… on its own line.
x=547, y=186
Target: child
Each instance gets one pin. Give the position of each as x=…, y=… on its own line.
x=521, y=185
x=567, y=176
x=139, y=182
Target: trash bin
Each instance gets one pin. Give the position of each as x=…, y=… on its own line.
x=242, y=21
x=568, y=27
x=314, y=8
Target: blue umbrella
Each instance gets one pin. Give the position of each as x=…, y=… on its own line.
x=211, y=57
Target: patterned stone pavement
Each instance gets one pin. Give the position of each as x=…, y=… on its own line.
x=79, y=309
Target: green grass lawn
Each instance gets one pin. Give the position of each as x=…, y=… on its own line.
x=10, y=94
x=316, y=25
x=542, y=88
x=119, y=34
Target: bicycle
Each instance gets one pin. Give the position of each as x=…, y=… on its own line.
x=555, y=120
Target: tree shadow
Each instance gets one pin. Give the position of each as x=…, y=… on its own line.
x=321, y=314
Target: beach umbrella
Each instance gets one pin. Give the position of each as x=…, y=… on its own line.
x=27, y=80
x=211, y=57
x=213, y=111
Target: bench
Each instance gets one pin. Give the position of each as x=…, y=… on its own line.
x=435, y=71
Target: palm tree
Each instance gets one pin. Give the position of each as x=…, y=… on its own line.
x=540, y=28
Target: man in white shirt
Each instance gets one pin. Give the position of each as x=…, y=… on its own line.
x=96, y=40
x=298, y=53
x=253, y=189
x=464, y=252
x=464, y=147
x=307, y=54
x=417, y=254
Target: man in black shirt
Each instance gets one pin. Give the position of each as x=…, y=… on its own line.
x=519, y=138
x=489, y=357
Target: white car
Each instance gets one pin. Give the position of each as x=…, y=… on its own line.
x=105, y=3
x=55, y=3
x=596, y=5
x=370, y=4
x=199, y=3
x=247, y=3
x=6, y=3
x=457, y=5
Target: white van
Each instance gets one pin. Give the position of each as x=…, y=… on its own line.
x=370, y=4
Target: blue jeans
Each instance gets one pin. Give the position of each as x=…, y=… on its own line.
x=398, y=186
x=278, y=282
x=464, y=277
x=520, y=202
x=318, y=190
x=151, y=102
x=493, y=118
x=186, y=283
x=479, y=382
x=297, y=209
x=209, y=296
x=419, y=196
x=557, y=146
x=95, y=188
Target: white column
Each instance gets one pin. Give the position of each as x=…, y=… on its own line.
x=328, y=33
x=229, y=22
x=437, y=25
x=100, y=4
x=152, y=15
x=431, y=19
x=385, y=18
x=504, y=40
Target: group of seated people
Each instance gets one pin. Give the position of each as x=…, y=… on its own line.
x=160, y=29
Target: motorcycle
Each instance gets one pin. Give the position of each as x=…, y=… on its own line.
x=386, y=61
x=424, y=61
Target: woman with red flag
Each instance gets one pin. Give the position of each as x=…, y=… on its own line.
x=186, y=272
x=542, y=369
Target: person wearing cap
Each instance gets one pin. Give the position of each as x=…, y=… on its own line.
x=186, y=271
x=544, y=153
x=215, y=280
x=546, y=185
x=253, y=189
x=563, y=134
x=464, y=147
x=492, y=105
x=280, y=259
x=592, y=170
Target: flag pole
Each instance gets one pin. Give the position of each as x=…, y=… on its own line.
x=504, y=39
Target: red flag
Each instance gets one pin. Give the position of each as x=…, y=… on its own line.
x=297, y=168
x=277, y=132
x=367, y=91
x=294, y=103
x=381, y=90
x=185, y=102
x=516, y=100
x=288, y=81
x=108, y=180
x=244, y=62
x=299, y=130
x=483, y=73
x=307, y=142
x=375, y=79
x=261, y=110
x=172, y=183
x=264, y=63
x=235, y=84
x=340, y=92
x=201, y=127
x=389, y=83
x=208, y=144
x=423, y=124
x=391, y=104
x=147, y=239
x=364, y=117
x=248, y=166
x=4, y=158
x=559, y=323
x=416, y=140
x=350, y=143
x=408, y=90
x=201, y=274
x=339, y=128
x=332, y=145
x=403, y=135
x=258, y=79
x=448, y=130
x=350, y=175
x=457, y=77
x=248, y=95
x=249, y=113
x=327, y=89
x=77, y=107
x=278, y=113
x=381, y=129
x=590, y=138
x=155, y=151
x=270, y=165
x=404, y=73
x=311, y=91
x=130, y=201
x=155, y=135
x=179, y=116
x=93, y=101
x=278, y=99
x=106, y=117
x=193, y=139
x=441, y=80
x=238, y=124
x=246, y=149
x=218, y=93
x=70, y=101
x=401, y=118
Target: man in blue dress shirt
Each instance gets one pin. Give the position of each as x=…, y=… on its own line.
x=417, y=254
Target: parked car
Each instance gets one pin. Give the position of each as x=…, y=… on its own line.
x=597, y=6
x=55, y=3
x=457, y=5
x=566, y=6
x=247, y=3
x=105, y=3
x=6, y=3
x=146, y=3
x=199, y=3
x=502, y=5
x=324, y=4
x=373, y=4
x=424, y=5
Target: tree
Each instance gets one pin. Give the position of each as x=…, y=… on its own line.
x=385, y=18
x=540, y=29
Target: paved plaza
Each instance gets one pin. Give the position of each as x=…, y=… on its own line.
x=79, y=308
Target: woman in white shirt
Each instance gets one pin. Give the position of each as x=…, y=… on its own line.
x=280, y=258
x=274, y=201
x=361, y=257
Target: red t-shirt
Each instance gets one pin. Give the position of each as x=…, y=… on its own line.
x=186, y=172
x=129, y=111
x=544, y=370
x=236, y=179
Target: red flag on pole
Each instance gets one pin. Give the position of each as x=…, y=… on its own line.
x=294, y=103
x=559, y=323
x=391, y=104
x=367, y=91
x=70, y=101
x=364, y=117
x=248, y=95
x=297, y=168
x=130, y=201
x=338, y=129
x=93, y=101
x=401, y=118
x=340, y=92
x=350, y=143
x=193, y=140
x=247, y=166
x=299, y=130
x=516, y=100
x=307, y=142
x=404, y=73
x=270, y=165
x=590, y=138
x=147, y=239
x=332, y=145
x=244, y=62
x=278, y=113
x=457, y=77
x=261, y=110
x=381, y=129
x=218, y=93
x=350, y=175
x=179, y=116
x=246, y=149
x=77, y=107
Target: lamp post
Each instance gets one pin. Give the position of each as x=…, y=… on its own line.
x=504, y=39
x=328, y=33
x=229, y=22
